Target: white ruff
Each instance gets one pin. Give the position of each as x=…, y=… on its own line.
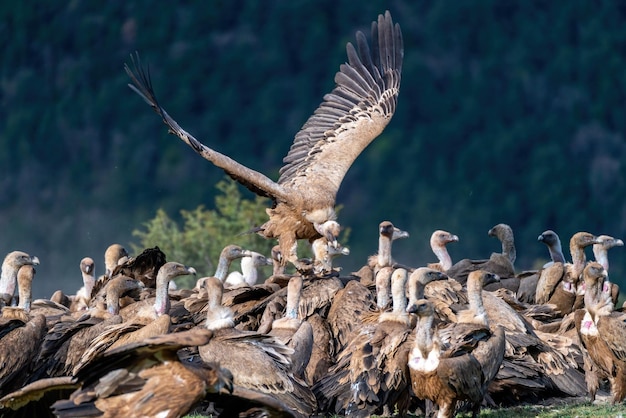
x=587, y=326
x=419, y=363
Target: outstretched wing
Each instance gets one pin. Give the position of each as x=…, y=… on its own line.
x=253, y=180
x=351, y=116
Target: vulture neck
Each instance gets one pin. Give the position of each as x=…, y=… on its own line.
x=25, y=286
x=383, y=287
x=578, y=259
x=223, y=264
x=88, y=282
x=218, y=316
x=475, y=300
x=424, y=334
x=384, y=251
x=294, y=289
x=398, y=291
x=113, y=298
x=8, y=280
x=443, y=256
x=601, y=255
x=508, y=249
x=249, y=271
x=556, y=252
x=162, y=300
x=398, y=296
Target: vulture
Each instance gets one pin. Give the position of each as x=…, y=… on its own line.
x=600, y=253
x=83, y=295
x=371, y=372
x=351, y=116
x=528, y=280
x=261, y=365
x=557, y=283
x=457, y=370
x=602, y=332
x=8, y=278
x=21, y=334
x=498, y=263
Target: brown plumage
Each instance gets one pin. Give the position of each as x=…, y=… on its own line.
x=8, y=277
x=20, y=338
x=438, y=242
x=65, y=343
x=498, y=263
x=143, y=267
x=351, y=116
x=552, y=275
x=602, y=332
x=145, y=379
x=346, y=312
x=142, y=319
x=260, y=364
x=447, y=374
x=371, y=370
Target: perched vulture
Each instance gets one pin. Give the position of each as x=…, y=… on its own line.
x=8, y=278
x=498, y=263
x=602, y=332
x=350, y=117
x=557, y=282
x=600, y=252
x=528, y=280
x=457, y=370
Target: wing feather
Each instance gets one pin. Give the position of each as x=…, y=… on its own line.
x=351, y=116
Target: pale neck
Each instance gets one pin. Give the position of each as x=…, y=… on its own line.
x=162, y=300
x=601, y=255
x=424, y=334
x=249, y=271
x=443, y=256
x=88, y=282
x=222, y=268
x=398, y=294
x=578, y=259
x=8, y=279
x=293, y=297
x=383, y=289
x=475, y=300
x=25, y=294
x=384, y=251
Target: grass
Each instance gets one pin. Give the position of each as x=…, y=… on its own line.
x=577, y=410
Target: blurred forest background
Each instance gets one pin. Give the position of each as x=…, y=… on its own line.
x=509, y=111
